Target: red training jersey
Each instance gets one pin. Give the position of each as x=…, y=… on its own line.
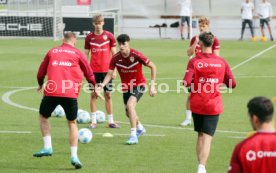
x=256, y=154
x=215, y=46
x=130, y=69
x=100, y=47
x=64, y=66
x=207, y=72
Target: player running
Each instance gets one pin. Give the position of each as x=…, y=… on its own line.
x=205, y=74
x=129, y=65
x=195, y=49
x=102, y=46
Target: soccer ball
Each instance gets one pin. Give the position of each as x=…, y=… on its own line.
x=83, y=117
x=100, y=116
x=59, y=111
x=85, y=135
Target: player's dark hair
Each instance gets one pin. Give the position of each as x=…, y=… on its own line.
x=207, y=39
x=261, y=107
x=123, y=38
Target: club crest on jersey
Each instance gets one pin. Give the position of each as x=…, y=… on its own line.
x=105, y=37
x=131, y=59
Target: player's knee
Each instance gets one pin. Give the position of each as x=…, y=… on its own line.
x=130, y=106
x=107, y=96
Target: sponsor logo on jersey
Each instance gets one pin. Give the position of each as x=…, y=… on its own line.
x=201, y=80
x=61, y=63
x=128, y=71
x=55, y=63
x=94, y=50
x=63, y=51
x=200, y=65
x=253, y=155
x=212, y=80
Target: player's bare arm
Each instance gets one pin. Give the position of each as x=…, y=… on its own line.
x=107, y=78
x=86, y=53
x=152, y=90
x=191, y=49
x=113, y=52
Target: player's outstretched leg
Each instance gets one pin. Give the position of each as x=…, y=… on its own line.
x=45, y=131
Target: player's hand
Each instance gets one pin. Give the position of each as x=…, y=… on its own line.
x=196, y=39
x=40, y=89
x=97, y=91
x=152, y=91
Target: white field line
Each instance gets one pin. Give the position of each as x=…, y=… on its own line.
x=253, y=57
x=182, y=128
x=6, y=99
x=122, y=134
x=16, y=132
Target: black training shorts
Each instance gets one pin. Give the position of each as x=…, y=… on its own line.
x=205, y=123
x=99, y=77
x=135, y=92
x=49, y=103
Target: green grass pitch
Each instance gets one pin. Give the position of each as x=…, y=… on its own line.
x=171, y=151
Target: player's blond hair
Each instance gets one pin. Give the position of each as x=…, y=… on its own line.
x=98, y=18
x=203, y=20
x=69, y=36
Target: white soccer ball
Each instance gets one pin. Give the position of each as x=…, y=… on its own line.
x=85, y=135
x=83, y=117
x=59, y=111
x=100, y=116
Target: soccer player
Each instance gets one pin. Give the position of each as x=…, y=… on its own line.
x=205, y=74
x=257, y=153
x=195, y=49
x=185, y=16
x=102, y=46
x=129, y=63
x=265, y=13
x=64, y=65
x=247, y=9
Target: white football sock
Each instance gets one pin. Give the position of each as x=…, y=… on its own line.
x=93, y=117
x=201, y=168
x=188, y=114
x=74, y=151
x=110, y=118
x=133, y=132
x=47, y=141
x=140, y=126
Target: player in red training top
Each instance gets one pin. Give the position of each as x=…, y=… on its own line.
x=257, y=153
x=64, y=65
x=129, y=65
x=102, y=45
x=195, y=49
x=205, y=75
